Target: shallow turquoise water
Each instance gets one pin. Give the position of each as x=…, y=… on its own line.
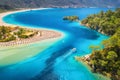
x=57, y=62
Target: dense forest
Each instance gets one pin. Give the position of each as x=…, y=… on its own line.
x=104, y=22
x=5, y=8
x=106, y=60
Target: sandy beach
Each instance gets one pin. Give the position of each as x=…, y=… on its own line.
x=46, y=34
x=16, y=54
x=18, y=50
x=11, y=12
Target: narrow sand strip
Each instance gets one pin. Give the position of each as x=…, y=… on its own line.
x=46, y=34
x=16, y=54
x=11, y=12
x=16, y=51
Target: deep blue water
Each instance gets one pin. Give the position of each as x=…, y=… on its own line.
x=57, y=62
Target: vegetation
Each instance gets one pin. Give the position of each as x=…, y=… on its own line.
x=24, y=33
x=104, y=22
x=4, y=8
x=71, y=18
x=106, y=60
x=5, y=34
x=59, y=3
x=13, y=33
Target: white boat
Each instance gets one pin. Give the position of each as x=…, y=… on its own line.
x=74, y=50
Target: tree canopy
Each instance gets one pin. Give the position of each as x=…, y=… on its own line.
x=105, y=22
x=71, y=18
x=106, y=60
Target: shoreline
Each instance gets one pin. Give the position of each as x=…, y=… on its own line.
x=47, y=33
x=26, y=48
x=83, y=60
x=16, y=11
x=11, y=55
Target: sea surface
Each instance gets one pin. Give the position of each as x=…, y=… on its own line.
x=56, y=62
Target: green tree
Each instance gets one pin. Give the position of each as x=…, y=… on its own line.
x=112, y=55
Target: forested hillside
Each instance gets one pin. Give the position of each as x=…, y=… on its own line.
x=104, y=22
x=60, y=3
x=5, y=8
x=107, y=60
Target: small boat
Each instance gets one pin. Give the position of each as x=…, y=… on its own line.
x=74, y=50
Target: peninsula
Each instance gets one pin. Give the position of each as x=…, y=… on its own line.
x=107, y=60
x=11, y=35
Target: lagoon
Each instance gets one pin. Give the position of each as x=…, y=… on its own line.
x=54, y=63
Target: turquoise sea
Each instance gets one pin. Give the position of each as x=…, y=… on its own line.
x=56, y=62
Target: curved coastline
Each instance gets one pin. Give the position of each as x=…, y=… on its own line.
x=8, y=50
x=36, y=38
x=2, y=22
x=18, y=54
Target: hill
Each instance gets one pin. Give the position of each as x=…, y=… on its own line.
x=107, y=60
x=59, y=3
x=104, y=22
